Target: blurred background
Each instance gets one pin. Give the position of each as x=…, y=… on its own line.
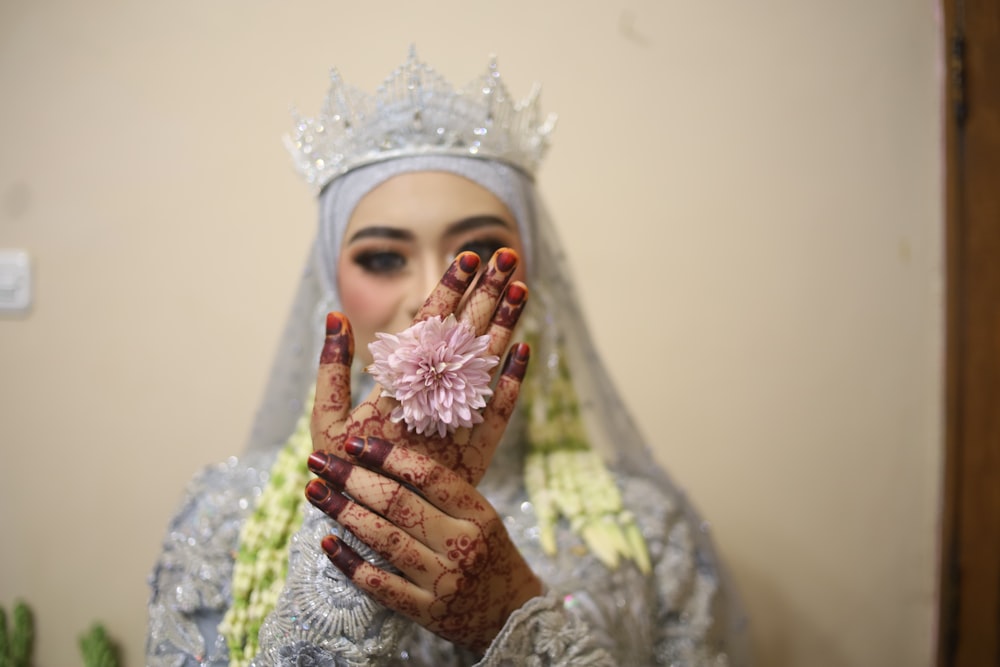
x=750, y=193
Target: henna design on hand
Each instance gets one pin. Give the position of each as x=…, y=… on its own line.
x=481, y=304
x=457, y=278
x=411, y=497
x=506, y=317
x=460, y=574
x=325, y=498
x=341, y=555
x=333, y=384
x=444, y=299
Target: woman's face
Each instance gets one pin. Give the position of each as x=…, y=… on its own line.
x=401, y=238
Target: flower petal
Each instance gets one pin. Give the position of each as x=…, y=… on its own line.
x=439, y=372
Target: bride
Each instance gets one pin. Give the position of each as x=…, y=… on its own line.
x=435, y=493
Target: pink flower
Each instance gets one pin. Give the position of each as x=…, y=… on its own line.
x=439, y=372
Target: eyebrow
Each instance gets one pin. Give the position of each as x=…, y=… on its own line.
x=382, y=233
x=476, y=222
x=460, y=227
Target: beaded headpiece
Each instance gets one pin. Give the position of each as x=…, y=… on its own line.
x=417, y=112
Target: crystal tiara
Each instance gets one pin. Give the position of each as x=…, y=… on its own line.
x=417, y=112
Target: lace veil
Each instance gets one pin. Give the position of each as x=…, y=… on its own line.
x=553, y=320
x=554, y=316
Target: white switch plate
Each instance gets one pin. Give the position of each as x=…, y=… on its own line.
x=15, y=281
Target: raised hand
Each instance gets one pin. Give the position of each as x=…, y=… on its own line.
x=489, y=308
x=460, y=575
x=412, y=497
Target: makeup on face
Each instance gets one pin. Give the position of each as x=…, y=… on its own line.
x=388, y=248
x=401, y=238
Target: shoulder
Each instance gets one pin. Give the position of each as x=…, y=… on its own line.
x=191, y=580
x=195, y=562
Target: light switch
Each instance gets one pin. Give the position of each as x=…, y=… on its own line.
x=15, y=281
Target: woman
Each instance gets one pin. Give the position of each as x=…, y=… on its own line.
x=525, y=523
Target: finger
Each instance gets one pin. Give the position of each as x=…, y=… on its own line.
x=326, y=499
x=478, y=309
x=486, y=435
x=448, y=293
x=333, y=380
x=383, y=496
x=442, y=301
x=410, y=556
x=441, y=486
x=506, y=317
x=389, y=589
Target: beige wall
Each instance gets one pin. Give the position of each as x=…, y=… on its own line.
x=750, y=192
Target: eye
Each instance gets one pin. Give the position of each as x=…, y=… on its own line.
x=483, y=247
x=380, y=262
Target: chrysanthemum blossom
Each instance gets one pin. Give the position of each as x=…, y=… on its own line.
x=439, y=372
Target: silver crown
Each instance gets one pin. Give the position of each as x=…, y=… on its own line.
x=417, y=112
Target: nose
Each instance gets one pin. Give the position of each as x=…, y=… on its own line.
x=426, y=279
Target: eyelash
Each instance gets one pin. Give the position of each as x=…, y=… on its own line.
x=389, y=262
x=380, y=262
x=483, y=247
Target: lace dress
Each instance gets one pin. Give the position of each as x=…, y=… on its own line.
x=589, y=615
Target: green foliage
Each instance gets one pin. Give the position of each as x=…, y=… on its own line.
x=17, y=641
x=23, y=639
x=4, y=640
x=97, y=648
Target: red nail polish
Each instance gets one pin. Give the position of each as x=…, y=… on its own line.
x=517, y=361
x=354, y=446
x=460, y=273
x=342, y=556
x=334, y=324
x=330, y=544
x=506, y=259
x=338, y=347
x=516, y=294
x=317, y=491
x=325, y=498
x=317, y=461
x=468, y=262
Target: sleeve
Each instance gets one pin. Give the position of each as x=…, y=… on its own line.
x=190, y=583
x=543, y=633
x=321, y=618
x=675, y=616
x=682, y=613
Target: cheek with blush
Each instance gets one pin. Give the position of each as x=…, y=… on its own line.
x=369, y=302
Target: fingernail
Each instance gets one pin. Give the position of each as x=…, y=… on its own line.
x=460, y=274
x=317, y=461
x=317, y=491
x=325, y=498
x=338, y=348
x=506, y=259
x=521, y=352
x=334, y=324
x=468, y=262
x=354, y=445
x=517, y=361
x=334, y=470
x=330, y=544
x=516, y=294
x=343, y=557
